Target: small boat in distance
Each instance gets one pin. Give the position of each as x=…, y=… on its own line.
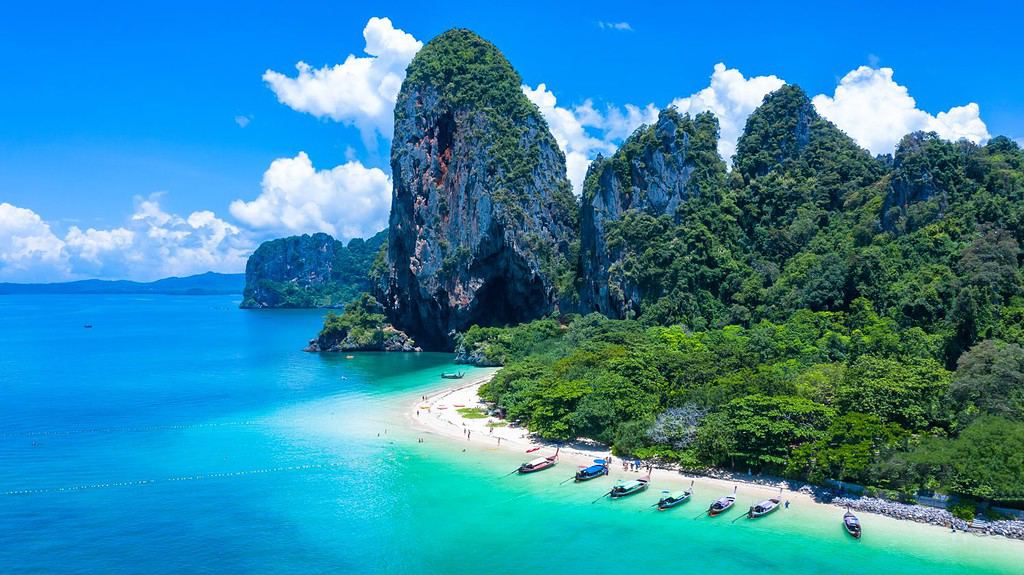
x=538, y=464
x=598, y=469
x=446, y=375
x=852, y=524
x=765, y=507
x=669, y=500
x=626, y=488
x=722, y=504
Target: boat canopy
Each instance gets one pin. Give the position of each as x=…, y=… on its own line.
x=594, y=469
x=536, y=462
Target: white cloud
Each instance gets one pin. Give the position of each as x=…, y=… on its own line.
x=27, y=244
x=346, y=201
x=583, y=132
x=876, y=111
x=621, y=26
x=732, y=98
x=361, y=91
x=151, y=245
x=243, y=121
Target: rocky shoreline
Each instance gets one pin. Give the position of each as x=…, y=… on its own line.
x=1013, y=529
x=390, y=339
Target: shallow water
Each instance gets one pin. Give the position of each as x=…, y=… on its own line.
x=181, y=434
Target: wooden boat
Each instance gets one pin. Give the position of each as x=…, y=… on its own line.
x=669, y=500
x=632, y=487
x=765, y=507
x=852, y=524
x=446, y=375
x=598, y=469
x=538, y=464
x=722, y=504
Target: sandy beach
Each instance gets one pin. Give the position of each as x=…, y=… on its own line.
x=439, y=413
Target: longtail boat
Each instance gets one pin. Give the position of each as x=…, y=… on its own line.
x=539, y=463
x=765, y=507
x=852, y=524
x=632, y=487
x=599, y=468
x=722, y=504
x=669, y=500
x=446, y=375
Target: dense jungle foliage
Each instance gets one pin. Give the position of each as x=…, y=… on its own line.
x=824, y=314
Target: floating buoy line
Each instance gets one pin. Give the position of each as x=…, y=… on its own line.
x=125, y=429
x=178, y=479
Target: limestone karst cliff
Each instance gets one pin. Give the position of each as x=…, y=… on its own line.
x=482, y=213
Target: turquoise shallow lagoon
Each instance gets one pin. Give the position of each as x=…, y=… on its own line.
x=182, y=435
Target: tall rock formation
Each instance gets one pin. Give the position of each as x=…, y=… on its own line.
x=309, y=271
x=657, y=170
x=797, y=169
x=481, y=213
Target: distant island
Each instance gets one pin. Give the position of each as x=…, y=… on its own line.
x=209, y=283
x=311, y=271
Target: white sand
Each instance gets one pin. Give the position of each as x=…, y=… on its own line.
x=439, y=413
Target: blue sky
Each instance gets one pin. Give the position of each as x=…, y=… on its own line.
x=120, y=122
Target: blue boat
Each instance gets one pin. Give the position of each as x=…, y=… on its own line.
x=600, y=468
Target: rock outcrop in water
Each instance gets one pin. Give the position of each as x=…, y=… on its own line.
x=482, y=213
x=362, y=327
x=309, y=271
x=657, y=170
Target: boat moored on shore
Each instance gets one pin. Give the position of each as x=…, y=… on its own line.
x=631, y=487
x=538, y=464
x=671, y=499
x=598, y=469
x=722, y=504
x=852, y=524
x=765, y=507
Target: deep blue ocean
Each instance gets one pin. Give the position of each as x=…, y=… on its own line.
x=183, y=435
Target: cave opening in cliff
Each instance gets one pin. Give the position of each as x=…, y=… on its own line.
x=500, y=302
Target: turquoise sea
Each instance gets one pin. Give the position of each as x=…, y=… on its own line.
x=183, y=435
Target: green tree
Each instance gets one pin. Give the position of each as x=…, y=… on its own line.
x=989, y=379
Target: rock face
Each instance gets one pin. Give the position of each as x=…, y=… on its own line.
x=309, y=271
x=919, y=192
x=482, y=213
x=657, y=170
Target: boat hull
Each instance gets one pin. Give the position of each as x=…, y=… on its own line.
x=628, y=492
x=852, y=527
x=712, y=511
x=664, y=505
x=580, y=478
x=536, y=468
